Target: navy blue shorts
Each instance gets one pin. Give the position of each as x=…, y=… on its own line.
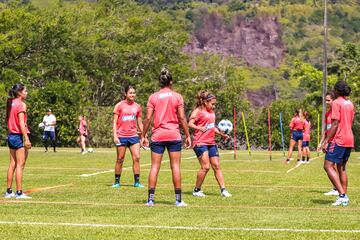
x=297, y=135
x=212, y=149
x=128, y=141
x=49, y=134
x=171, y=146
x=305, y=144
x=15, y=141
x=337, y=154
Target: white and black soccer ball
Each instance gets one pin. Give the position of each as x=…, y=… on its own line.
x=41, y=125
x=225, y=126
x=90, y=150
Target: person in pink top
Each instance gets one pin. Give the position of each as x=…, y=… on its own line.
x=339, y=149
x=306, y=139
x=329, y=98
x=297, y=126
x=166, y=108
x=84, y=135
x=202, y=120
x=18, y=139
x=126, y=123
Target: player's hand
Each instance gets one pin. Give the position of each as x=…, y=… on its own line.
x=324, y=147
x=203, y=129
x=226, y=137
x=27, y=144
x=144, y=142
x=116, y=141
x=318, y=149
x=188, y=142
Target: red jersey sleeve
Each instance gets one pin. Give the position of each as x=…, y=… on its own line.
x=117, y=109
x=291, y=125
x=151, y=102
x=139, y=112
x=335, y=110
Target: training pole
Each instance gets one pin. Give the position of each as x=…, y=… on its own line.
x=318, y=132
x=234, y=126
x=269, y=127
x=282, y=134
x=246, y=133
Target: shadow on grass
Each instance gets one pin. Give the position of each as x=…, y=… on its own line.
x=156, y=202
x=207, y=194
x=316, y=191
x=321, y=201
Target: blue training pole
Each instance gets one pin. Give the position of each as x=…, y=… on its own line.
x=282, y=134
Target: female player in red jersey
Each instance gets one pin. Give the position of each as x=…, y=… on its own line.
x=297, y=127
x=202, y=120
x=329, y=98
x=306, y=139
x=338, y=150
x=84, y=134
x=166, y=107
x=18, y=139
x=126, y=122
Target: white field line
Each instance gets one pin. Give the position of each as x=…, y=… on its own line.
x=299, y=164
x=92, y=225
x=143, y=165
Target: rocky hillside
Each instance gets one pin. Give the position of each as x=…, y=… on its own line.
x=256, y=41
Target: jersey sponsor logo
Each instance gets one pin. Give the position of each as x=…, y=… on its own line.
x=128, y=118
x=210, y=125
x=165, y=95
x=328, y=126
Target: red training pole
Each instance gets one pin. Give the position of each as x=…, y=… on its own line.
x=269, y=127
x=234, y=125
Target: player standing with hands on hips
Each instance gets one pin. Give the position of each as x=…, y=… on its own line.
x=166, y=108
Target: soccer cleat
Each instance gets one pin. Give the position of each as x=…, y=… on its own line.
x=9, y=195
x=138, y=185
x=225, y=193
x=22, y=196
x=341, y=201
x=116, y=185
x=333, y=192
x=150, y=203
x=180, y=204
x=198, y=194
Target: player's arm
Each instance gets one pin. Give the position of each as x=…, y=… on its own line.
x=192, y=120
x=184, y=125
x=114, y=125
x=140, y=124
x=149, y=113
x=23, y=128
x=223, y=135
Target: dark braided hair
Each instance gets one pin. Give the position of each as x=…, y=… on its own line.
x=12, y=94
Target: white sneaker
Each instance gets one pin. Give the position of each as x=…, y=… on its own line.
x=84, y=152
x=22, y=196
x=341, y=201
x=180, y=204
x=9, y=195
x=150, y=203
x=333, y=192
x=198, y=194
x=225, y=193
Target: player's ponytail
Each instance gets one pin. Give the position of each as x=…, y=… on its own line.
x=12, y=94
x=165, y=78
x=202, y=97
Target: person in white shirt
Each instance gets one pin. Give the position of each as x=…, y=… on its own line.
x=49, y=121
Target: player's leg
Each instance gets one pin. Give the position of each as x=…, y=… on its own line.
x=291, y=148
x=10, y=174
x=135, y=155
x=120, y=155
x=204, y=160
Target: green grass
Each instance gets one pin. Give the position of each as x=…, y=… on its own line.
x=264, y=196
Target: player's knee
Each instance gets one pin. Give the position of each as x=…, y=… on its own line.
x=216, y=167
x=205, y=168
x=136, y=159
x=119, y=161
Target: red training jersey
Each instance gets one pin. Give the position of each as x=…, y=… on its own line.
x=127, y=116
x=165, y=104
x=328, y=124
x=17, y=106
x=296, y=124
x=83, y=128
x=343, y=110
x=306, y=135
x=205, y=119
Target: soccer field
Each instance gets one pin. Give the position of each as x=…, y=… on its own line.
x=270, y=200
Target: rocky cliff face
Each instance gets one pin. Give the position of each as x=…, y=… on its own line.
x=256, y=41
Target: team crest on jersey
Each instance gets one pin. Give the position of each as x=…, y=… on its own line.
x=134, y=110
x=128, y=118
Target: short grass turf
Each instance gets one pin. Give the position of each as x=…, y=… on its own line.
x=267, y=202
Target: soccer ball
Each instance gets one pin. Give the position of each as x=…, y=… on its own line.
x=225, y=126
x=41, y=125
x=90, y=150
